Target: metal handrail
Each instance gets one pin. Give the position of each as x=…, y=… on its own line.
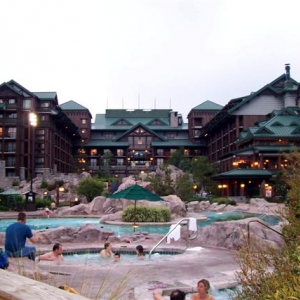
x=167, y=234
x=248, y=228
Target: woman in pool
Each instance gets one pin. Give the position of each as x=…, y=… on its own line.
x=107, y=251
x=203, y=288
x=140, y=251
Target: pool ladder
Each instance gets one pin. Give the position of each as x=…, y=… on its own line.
x=190, y=237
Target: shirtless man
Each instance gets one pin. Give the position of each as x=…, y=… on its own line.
x=107, y=251
x=55, y=255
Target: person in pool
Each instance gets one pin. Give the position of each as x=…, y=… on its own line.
x=117, y=257
x=175, y=295
x=107, y=251
x=203, y=287
x=54, y=255
x=139, y=249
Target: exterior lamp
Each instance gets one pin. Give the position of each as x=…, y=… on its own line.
x=242, y=185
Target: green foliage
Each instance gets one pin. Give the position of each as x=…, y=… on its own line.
x=15, y=182
x=269, y=273
x=44, y=184
x=223, y=201
x=184, y=189
x=162, y=186
x=146, y=214
x=42, y=203
x=106, y=158
x=176, y=157
x=51, y=187
x=90, y=188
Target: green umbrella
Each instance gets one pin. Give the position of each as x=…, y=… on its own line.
x=136, y=192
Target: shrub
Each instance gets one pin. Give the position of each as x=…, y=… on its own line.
x=146, y=214
x=15, y=183
x=44, y=184
x=90, y=188
x=42, y=203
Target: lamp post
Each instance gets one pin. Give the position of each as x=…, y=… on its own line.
x=33, y=123
x=58, y=189
x=30, y=196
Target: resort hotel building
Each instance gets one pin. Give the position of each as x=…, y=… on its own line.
x=247, y=138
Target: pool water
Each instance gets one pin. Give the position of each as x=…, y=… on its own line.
x=43, y=223
x=223, y=294
x=125, y=257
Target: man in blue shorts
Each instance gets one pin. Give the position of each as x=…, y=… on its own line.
x=15, y=239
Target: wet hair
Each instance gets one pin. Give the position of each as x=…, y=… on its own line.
x=21, y=216
x=206, y=284
x=140, y=249
x=117, y=254
x=56, y=246
x=106, y=245
x=177, y=295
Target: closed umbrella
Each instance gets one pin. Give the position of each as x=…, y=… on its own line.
x=136, y=192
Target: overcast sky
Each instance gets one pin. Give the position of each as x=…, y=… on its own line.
x=148, y=54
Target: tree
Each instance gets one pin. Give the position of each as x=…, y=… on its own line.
x=184, y=187
x=202, y=170
x=106, y=158
x=90, y=188
x=176, y=157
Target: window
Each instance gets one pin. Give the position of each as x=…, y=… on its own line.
x=160, y=152
x=40, y=131
x=120, y=152
x=83, y=121
x=12, y=132
x=108, y=136
x=93, y=162
x=120, y=161
x=11, y=147
x=12, y=116
x=170, y=135
x=160, y=161
x=83, y=130
x=27, y=104
x=94, y=152
x=45, y=104
x=11, y=101
x=39, y=160
x=44, y=118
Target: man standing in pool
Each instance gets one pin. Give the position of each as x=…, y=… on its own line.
x=175, y=295
x=15, y=239
x=54, y=255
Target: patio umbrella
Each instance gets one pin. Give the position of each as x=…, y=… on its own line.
x=136, y=192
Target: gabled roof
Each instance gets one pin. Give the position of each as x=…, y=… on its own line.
x=156, y=120
x=17, y=88
x=277, y=86
x=208, y=105
x=72, y=105
x=121, y=122
x=46, y=95
x=144, y=127
x=285, y=123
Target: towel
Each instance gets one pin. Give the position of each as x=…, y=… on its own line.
x=175, y=234
x=193, y=224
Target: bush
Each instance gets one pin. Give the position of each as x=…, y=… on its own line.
x=42, y=203
x=146, y=214
x=90, y=188
x=225, y=201
x=44, y=184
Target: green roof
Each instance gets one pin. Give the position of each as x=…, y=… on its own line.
x=283, y=124
x=173, y=143
x=244, y=173
x=46, y=95
x=138, y=113
x=208, y=105
x=106, y=143
x=72, y=105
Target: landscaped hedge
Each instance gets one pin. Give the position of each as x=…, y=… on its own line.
x=146, y=214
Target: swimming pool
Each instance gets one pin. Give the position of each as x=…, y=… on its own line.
x=43, y=223
x=94, y=257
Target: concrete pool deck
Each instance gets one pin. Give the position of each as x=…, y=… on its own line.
x=180, y=271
